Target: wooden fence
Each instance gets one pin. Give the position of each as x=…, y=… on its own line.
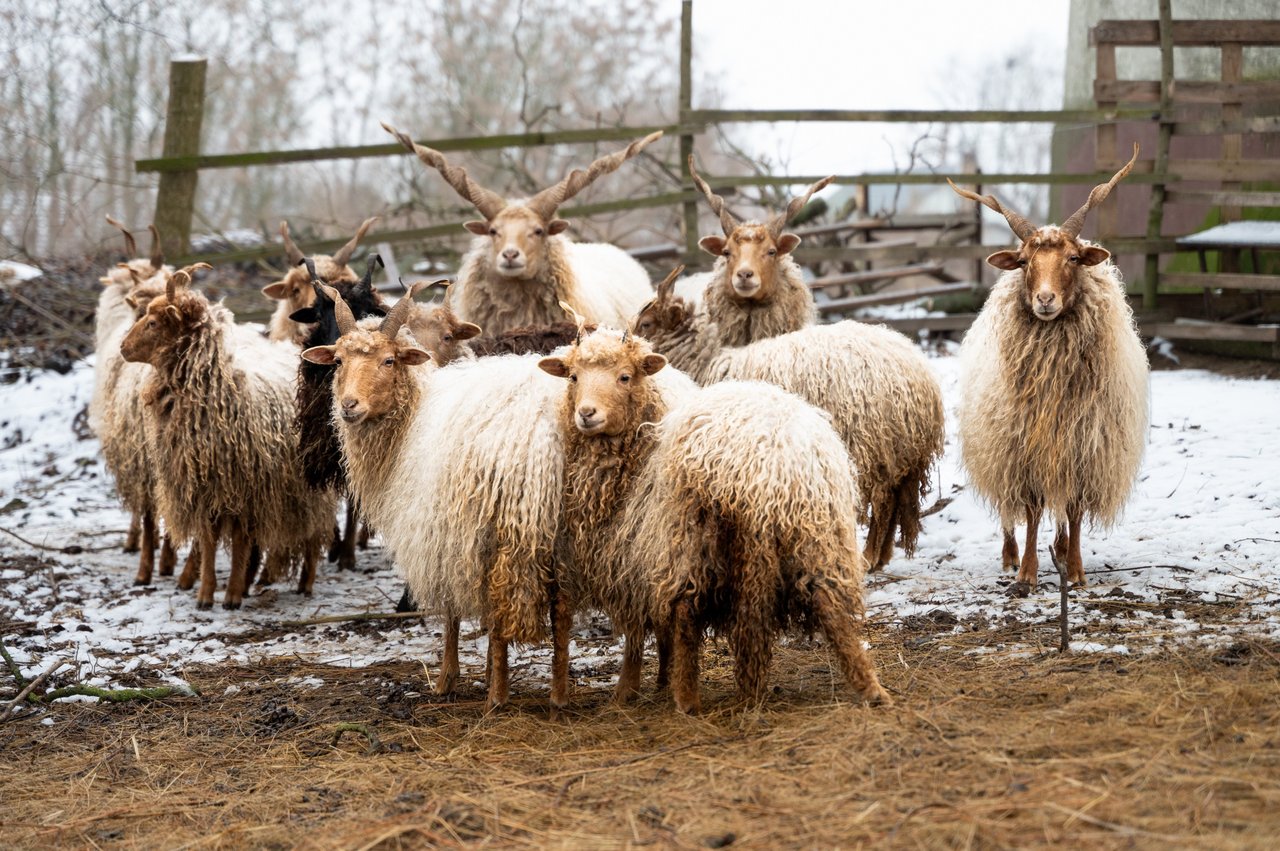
x=1119, y=101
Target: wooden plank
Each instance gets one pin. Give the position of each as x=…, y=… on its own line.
x=896, y=297
x=1215, y=127
x=176, y=195
x=1213, y=331
x=1187, y=91
x=918, y=116
x=1232, y=145
x=1204, y=33
x=1104, y=139
x=1269, y=283
x=873, y=275
x=1164, y=133
x=462, y=143
x=910, y=252
x=912, y=327
x=964, y=178
x=690, y=217
x=1222, y=170
x=1222, y=196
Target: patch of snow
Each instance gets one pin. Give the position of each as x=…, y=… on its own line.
x=12, y=271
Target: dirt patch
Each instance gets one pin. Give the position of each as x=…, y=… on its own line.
x=983, y=749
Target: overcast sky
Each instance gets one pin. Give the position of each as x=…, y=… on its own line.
x=901, y=54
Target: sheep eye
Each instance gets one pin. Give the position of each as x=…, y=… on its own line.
x=389, y=362
x=1074, y=258
x=337, y=361
x=624, y=378
x=151, y=323
x=573, y=377
x=725, y=252
x=493, y=231
x=448, y=338
x=772, y=252
x=537, y=232
x=1022, y=263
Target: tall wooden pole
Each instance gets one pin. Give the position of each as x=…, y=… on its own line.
x=686, y=140
x=176, y=196
x=1155, y=214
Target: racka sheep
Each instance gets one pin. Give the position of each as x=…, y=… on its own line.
x=734, y=509
x=294, y=290
x=884, y=400
x=520, y=266
x=219, y=410
x=1053, y=411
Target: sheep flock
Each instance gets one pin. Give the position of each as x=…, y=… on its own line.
x=559, y=436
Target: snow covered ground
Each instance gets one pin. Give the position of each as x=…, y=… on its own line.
x=1202, y=534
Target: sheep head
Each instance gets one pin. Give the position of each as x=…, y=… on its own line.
x=169, y=317
x=609, y=392
x=518, y=232
x=666, y=313
x=370, y=362
x=295, y=287
x=1050, y=256
x=752, y=251
x=439, y=330
x=136, y=269
x=360, y=299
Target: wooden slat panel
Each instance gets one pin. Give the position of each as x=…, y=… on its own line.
x=1197, y=91
x=1220, y=196
x=914, y=116
x=1186, y=33
x=895, y=297
x=1214, y=127
x=1213, y=331
x=1270, y=283
x=912, y=327
x=1223, y=170
x=873, y=275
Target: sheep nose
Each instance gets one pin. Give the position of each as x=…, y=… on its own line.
x=1045, y=297
x=746, y=274
x=511, y=254
x=349, y=404
x=586, y=412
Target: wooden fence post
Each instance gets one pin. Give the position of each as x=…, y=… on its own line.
x=176, y=195
x=686, y=140
x=1155, y=215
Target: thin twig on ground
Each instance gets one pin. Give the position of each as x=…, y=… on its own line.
x=356, y=616
x=120, y=695
x=375, y=746
x=70, y=549
x=12, y=665
x=30, y=687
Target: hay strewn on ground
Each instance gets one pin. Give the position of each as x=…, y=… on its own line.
x=981, y=749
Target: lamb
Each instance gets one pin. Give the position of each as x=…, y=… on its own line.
x=1053, y=411
x=755, y=290
x=519, y=267
x=218, y=415
x=318, y=448
x=884, y=400
x=459, y=468
x=733, y=507
x=294, y=290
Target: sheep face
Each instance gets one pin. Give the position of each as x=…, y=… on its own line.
x=518, y=240
x=440, y=332
x=370, y=371
x=752, y=254
x=295, y=287
x=607, y=382
x=664, y=314
x=1049, y=259
x=165, y=321
x=141, y=296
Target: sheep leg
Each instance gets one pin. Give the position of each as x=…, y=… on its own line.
x=1075, y=562
x=190, y=568
x=255, y=562
x=875, y=534
x=240, y=547
x=1060, y=544
x=365, y=534
x=1009, y=556
x=498, y=671
x=664, y=658
x=1030, y=559
x=632, y=663
x=447, y=681
x=335, y=543
x=839, y=619
x=407, y=603
x=168, y=555
x=561, y=626
x=147, y=549
x=133, y=536
x=208, y=548
x=752, y=652
x=347, y=554
x=886, y=541
x=685, y=658
x=310, y=563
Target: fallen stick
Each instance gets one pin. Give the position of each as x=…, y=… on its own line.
x=30, y=687
x=1140, y=567
x=70, y=549
x=942, y=503
x=358, y=616
x=13, y=666
x=120, y=695
x=375, y=746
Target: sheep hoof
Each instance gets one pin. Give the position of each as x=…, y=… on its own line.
x=230, y=606
x=1018, y=589
x=204, y=605
x=129, y=549
x=877, y=696
x=140, y=582
x=347, y=562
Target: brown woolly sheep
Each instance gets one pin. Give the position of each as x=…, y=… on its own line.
x=219, y=425
x=1053, y=412
x=294, y=290
x=734, y=508
x=520, y=266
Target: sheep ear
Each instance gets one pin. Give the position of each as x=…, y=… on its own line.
x=556, y=226
x=305, y=315
x=1092, y=255
x=787, y=243
x=322, y=355
x=467, y=330
x=652, y=363
x=413, y=357
x=713, y=245
x=554, y=366
x=478, y=228
x=1006, y=260
x=278, y=291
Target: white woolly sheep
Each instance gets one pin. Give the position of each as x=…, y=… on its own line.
x=736, y=508
x=459, y=468
x=1053, y=412
x=884, y=400
x=219, y=411
x=294, y=291
x=519, y=267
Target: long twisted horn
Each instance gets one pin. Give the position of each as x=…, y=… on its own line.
x=342, y=314
x=399, y=312
x=179, y=279
x=727, y=222
x=548, y=200
x=130, y=246
x=668, y=285
x=291, y=250
x=489, y=203
x=157, y=252
x=343, y=255
x=778, y=222
x=1019, y=225
x=1075, y=224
